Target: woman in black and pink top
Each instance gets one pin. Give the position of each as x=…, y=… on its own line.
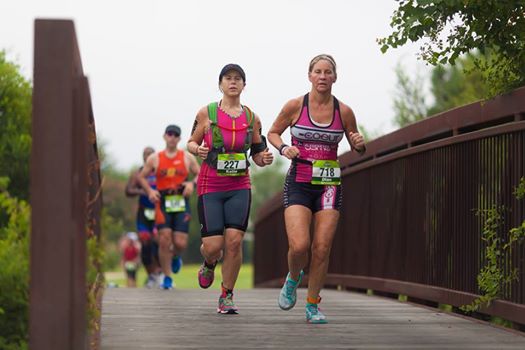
x=317, y=122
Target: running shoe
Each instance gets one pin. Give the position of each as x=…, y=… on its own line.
x=206, y=275
x=151, y=282
x=167, y=283
x=226, y=305
x=314, y=314
x=176, y=264
x=288, y=295
x=160, y=278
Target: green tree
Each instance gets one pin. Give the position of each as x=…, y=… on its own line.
x=451, y=28
x=192, y=254
x=456, y=85
x=118, y=214
x=15, y=128
x=409, y=101
x=266, y=182
x=14, y=271
x=450, y=86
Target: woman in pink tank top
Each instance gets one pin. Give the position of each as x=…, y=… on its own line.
x=222, y=135
x=317, y=122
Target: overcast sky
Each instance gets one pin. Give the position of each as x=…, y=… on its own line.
x=155, y=62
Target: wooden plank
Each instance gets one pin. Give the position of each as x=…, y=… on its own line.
x=187, y=319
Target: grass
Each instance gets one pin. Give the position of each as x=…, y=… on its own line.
x=186, y=278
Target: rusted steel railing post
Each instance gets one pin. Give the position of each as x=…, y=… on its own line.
x=59, y=190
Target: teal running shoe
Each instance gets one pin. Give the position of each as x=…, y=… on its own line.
x=226, y=305
x=288, y=294
x=176, y=264
x=314, y=314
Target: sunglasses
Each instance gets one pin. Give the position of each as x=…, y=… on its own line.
x=172, y=133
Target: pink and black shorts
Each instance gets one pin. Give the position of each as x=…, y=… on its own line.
x=314, y=197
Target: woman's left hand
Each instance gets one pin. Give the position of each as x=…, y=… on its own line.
x=267, y=157
x=357, y=141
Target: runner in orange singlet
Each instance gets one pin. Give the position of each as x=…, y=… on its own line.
x=172, y=167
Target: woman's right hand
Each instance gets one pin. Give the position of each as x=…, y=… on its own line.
x=154, y=196
x=202, y=152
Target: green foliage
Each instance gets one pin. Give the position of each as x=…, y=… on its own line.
x=519, y=191
x=112, y=229
x=14, y=271
x=95, y=280
x=451, y=28
x=266, y=182
x=111, y=256
x=445, y=307
x=501, y=322
x=457, y=85
x=15, y=148
x=119, y=212
x=451, y=86
x=492, y=278
x=118, y=215
x=192, y=253
x=15, y=128
x=409, y=100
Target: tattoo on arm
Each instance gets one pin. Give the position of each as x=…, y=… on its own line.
x=194, y=126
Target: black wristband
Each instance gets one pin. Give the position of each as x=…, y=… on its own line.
x=281, y=147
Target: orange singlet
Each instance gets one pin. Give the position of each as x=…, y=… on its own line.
x=171, y=172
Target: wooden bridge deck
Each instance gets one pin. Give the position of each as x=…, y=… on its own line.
x=186, y=319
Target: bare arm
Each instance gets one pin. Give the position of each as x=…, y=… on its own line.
x=194, y=168
x=355, y=139
x=149, y=166
x=133, y=187
x=200, y=127
x=288, y=115
x=263, y=157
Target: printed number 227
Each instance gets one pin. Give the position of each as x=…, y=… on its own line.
x=231, y=164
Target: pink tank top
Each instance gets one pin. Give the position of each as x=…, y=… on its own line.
x=314, y=141
x=209, y=181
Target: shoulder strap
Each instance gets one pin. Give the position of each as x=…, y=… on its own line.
x=250, y=117
x=216, y=134
x=306, y=99
x=337, y=108
x=212, y=111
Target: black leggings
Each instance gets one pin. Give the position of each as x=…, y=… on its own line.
x=220, y=210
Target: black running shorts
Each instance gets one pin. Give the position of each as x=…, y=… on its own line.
x=314, y=197
x=220, y=210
